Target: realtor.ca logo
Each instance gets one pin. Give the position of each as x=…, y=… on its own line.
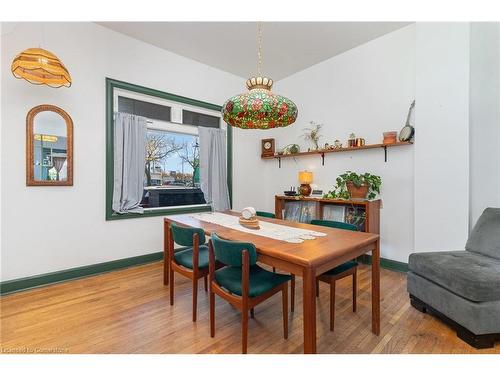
x=26, y=350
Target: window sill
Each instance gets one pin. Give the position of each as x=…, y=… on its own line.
x=158, y=212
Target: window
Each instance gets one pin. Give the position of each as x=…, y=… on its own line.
x=172, y=170
x=171, y=164
x=200, y=119
x=142, y=108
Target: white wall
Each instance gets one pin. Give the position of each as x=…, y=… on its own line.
x=366, y=90
x=46, y=229
x=484, y=118
x=441, y=149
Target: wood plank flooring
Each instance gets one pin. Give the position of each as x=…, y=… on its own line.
x=128, y=311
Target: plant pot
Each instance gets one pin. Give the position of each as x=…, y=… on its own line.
x=357, y=192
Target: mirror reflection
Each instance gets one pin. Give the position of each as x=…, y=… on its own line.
x=50, y=147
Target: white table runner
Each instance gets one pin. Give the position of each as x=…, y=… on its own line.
x=271, y=230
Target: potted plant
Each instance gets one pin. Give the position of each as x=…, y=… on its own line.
x=291, y=149
x=312, y=134
x=351, y=185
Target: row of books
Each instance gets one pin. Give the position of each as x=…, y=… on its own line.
x=304, y=212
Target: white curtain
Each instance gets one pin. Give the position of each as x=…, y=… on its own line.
x=129, y=160
x=213, y=167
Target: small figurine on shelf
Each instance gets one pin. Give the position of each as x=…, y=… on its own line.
x=390, y=137
x=329, y=146
x=360, y=142
x=355, y=141
x=337, y=144
x=352, y=140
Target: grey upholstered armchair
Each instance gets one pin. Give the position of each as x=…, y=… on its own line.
x=463, y=287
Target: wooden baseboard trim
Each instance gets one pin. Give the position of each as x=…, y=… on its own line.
x=389, y=264
x=17, y=285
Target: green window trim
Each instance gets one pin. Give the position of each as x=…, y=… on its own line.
x=112, y=84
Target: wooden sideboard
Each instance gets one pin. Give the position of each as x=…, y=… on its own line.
x=370, y=208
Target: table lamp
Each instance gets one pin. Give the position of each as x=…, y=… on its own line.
x=305, y=179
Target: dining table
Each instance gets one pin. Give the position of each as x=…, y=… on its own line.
x=307, y=259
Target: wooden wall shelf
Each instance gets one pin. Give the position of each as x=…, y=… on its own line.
x=344, y=149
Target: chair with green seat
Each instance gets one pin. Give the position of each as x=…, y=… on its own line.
x=191, y=262
x=292, y=287
x=241, y=282
x=266, y=214
x=339, y=272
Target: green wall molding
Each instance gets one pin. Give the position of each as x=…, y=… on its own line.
x=111, y=84
x=17, y=285
x=389, y=264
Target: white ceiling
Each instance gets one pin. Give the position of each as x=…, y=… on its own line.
x=288, y=47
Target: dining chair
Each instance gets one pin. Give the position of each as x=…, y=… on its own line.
x=242, y=283
x=266, y=214
x=191, y=262
x=292, y=283
x=339, y=272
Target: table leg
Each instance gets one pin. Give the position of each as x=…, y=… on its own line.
x=309, y=301
x=376, y=289
x=166, y=231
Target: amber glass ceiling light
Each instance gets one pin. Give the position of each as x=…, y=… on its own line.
x=40, y=67
x=259, y=108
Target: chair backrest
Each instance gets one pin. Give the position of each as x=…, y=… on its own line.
x=335, y=224
x=184, y=235
x=230, y=252
x=266, y=214
x=485, y=236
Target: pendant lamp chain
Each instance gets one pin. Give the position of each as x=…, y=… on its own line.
x=259, y=49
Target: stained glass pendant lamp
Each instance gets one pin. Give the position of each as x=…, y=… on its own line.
x=40, y=67
x=259, y=108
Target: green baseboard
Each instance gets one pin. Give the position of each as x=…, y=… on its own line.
x=17, y=285
x=389, y=264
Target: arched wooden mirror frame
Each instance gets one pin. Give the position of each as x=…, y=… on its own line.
x=30, y=117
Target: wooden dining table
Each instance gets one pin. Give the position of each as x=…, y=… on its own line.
x=308, y=259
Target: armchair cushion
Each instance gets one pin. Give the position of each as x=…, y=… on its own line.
x=470, y=275
x=185, y=257
x=261, y=280
x=485, y=236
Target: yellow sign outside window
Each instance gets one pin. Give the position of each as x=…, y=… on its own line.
x=45, y=138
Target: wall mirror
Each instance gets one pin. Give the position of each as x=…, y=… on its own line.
x=49, y=147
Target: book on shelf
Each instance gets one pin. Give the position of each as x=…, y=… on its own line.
x=304, y=212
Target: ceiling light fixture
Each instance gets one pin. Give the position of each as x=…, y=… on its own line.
x=259, y=108
x=40, y=67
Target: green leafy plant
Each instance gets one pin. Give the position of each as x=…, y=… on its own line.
x=340, y=189
x=291, y=149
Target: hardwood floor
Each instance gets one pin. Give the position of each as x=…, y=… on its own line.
x=128, y=311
